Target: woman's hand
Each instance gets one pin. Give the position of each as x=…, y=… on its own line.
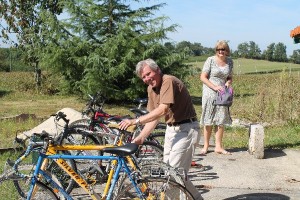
x=228, y=84
x=218, y=88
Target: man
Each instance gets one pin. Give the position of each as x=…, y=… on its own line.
x=167, y=96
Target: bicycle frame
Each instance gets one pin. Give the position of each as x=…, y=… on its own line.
x=60, y=160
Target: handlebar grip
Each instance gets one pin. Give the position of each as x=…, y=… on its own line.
x=44, y=135
x=18, y=140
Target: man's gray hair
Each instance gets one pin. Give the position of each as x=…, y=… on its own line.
x=148, y=62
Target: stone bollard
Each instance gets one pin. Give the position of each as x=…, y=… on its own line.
x=256, y=140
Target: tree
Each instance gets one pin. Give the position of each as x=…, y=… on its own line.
x=295, y=58
x=243, y=50
x=269, y=52
x=170, y=46
x=97, y=43
x=184, y=46
x=280, y=52
x=4, y=62
x=254, y=51
x=197, y=49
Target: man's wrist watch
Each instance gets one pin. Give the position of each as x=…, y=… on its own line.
x=137, y=121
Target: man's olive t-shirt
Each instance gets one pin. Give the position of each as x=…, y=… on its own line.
x=172, y=91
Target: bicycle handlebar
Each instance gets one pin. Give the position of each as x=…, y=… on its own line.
x=60, y=115
x=32, y=144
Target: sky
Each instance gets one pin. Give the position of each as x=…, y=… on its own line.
x=237, y=21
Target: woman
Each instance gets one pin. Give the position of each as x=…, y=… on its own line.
x=216, y=74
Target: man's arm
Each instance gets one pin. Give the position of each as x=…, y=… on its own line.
x=150, y=120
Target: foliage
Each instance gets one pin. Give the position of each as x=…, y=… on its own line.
x=295, y=58
x=96, y=45
x=272, y=103
x=194, y=49
x=280, y=53
x=11, y=59
x=248, y=50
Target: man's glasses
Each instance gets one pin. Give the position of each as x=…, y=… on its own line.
x=220, y=49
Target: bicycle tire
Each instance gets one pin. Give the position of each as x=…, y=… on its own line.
x=8, y=180
x=87, y=124
x=85, y=168
x=60, y=176
x=157, y=188
x=149, y=153
x=77, y=136
x=43, y=192
x=157, y=136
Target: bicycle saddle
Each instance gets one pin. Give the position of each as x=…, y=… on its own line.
x=124, y=150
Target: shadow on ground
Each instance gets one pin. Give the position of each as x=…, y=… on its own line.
x=260, y=196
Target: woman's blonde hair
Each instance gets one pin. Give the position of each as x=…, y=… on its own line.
x=222, y=44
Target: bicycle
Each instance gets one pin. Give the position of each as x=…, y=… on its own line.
x=28, y=165
x=147, y=152
x=96, y=128
x=109, y=133
x=140, y=187
x=94, y=110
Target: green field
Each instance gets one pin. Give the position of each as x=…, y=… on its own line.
x=246, y=66
x=270, y=98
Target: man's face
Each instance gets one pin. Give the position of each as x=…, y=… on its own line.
x=150, y=77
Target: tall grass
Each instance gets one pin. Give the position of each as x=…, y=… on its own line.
x=270, y=98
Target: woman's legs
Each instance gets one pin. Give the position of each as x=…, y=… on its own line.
x=206, y=133
x=219, y=139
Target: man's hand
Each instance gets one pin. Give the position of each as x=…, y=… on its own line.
x=138, y=140
x=125, y=123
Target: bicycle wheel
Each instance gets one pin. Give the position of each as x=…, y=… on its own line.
x=27, y=167
x=7, y=185
x=99, y=131
x=57, y=174
x=9, y=179
x=148, y=154
x=156, y=188
x=77, y=136
x=91, y=170
x=42, y=191
x=157, y=136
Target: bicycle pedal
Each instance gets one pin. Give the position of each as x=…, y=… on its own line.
x=157, y=172
x=14, y=177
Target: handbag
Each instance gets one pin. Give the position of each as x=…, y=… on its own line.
x=224, y=97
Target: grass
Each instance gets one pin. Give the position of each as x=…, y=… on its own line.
x=259, y=98
x=246, y=66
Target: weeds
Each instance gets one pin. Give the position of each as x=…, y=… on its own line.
x=270, y=98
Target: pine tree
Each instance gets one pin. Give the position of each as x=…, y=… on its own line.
x=95, y=45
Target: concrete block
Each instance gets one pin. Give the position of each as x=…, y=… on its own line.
x=256, y=140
